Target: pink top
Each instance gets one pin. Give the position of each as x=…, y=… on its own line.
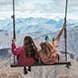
x=51, y=57
x=23, y=59
x=48, y=59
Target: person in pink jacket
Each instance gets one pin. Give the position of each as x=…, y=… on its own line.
x=26, y=54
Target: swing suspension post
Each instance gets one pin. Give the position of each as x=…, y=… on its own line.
x=14, y=35
x=65, y=31
x=13, y=17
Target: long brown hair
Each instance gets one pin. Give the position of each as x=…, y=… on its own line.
x=29, y=46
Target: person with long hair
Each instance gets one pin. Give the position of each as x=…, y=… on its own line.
x=26, y=54
x=49, y=50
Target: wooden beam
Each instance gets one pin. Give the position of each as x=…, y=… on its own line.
x=60, y=63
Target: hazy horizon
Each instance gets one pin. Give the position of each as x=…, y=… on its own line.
x=38, y=8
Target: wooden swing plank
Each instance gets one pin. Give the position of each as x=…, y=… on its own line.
x=60, y=63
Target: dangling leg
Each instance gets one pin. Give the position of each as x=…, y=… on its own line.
x=25, y=70
x=18, y=59
x=58, y=57
x=29, y=68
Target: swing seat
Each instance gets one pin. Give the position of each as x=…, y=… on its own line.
x=68, y=64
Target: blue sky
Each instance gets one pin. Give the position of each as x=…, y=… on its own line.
x=39, y=8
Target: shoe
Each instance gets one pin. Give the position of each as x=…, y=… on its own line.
x=29, y=68
x=25, y=70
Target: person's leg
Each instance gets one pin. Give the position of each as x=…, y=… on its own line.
x=18, y=60
x=29, y=68
x=58, y=57
x=25, y=70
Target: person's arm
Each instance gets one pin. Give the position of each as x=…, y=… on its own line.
x=59, y=34
x=13, y=46
x=34, y=46
x=15, y=51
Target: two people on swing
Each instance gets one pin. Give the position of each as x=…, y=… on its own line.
x=28, y=54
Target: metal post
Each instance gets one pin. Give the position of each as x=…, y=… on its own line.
x=13, y=17
x=65, y=32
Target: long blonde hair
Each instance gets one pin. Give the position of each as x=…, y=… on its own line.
x=46, y=47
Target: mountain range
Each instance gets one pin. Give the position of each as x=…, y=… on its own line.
x=29, y=25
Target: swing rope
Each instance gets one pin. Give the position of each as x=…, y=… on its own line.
x=13, y=17
x=65, y=32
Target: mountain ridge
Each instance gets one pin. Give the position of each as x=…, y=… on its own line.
x=35, y=24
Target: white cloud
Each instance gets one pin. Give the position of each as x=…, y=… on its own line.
x=39, y=8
